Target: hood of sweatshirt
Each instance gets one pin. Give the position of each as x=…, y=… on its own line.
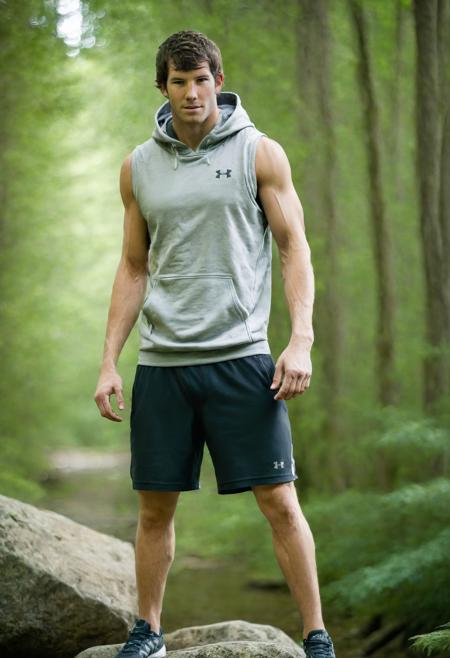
x=232, y=119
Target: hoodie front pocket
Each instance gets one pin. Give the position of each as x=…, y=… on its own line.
x=195, y=311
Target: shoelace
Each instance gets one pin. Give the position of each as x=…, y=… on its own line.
x=136, y=638
x=320, y=646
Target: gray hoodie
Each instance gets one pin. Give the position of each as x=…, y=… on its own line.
x=209, y=290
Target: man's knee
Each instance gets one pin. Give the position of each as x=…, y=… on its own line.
x=157, y=507
x=278, y=502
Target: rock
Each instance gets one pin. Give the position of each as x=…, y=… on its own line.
x=64, y=586
x=228, y=631
x=230, y=639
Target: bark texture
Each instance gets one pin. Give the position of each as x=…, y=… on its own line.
x=381, y=240
x=431, y=160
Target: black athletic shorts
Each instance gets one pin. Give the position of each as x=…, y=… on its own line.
x=227, y=404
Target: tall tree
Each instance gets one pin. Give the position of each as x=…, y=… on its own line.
x=382, y=247
x=432, y=159
x=314, y=71
x=444, y=201
x=395, y=98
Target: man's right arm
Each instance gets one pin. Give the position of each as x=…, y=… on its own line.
x=127, y=296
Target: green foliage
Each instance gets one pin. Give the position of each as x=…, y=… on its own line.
x=436, y=642
x=408, y=584
x=15, y=486
x=387, y=553
x=421, y=437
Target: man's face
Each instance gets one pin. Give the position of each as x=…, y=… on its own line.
x=192, y=94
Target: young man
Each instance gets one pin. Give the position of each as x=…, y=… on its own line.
x=202, y=199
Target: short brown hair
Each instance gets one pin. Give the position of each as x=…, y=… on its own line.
x=186, y=50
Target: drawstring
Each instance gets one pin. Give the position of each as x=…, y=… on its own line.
x=175, y=161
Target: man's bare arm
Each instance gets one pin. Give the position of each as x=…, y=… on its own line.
x=284, y=213
x=127, y=296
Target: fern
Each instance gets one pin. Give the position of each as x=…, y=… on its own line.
x=433, y=643
x=407, y=584
x=358, y=529
x=387, y=553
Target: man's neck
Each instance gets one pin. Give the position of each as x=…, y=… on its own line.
x=192, y=135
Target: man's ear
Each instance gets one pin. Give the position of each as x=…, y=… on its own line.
x=220, y=79
x=164, y=91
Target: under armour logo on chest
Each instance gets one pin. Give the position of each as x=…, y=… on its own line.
x=220, y=173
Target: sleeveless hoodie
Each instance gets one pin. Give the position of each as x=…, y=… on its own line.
x=209, y=287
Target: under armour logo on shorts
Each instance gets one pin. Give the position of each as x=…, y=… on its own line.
x=278, y=465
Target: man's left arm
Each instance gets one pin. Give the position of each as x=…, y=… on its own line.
x=284, y=213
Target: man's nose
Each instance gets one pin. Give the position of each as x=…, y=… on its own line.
x=191, y=91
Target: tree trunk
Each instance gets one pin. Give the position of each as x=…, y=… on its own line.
x=332, y=332
x=396, y=102
x=429, y=149
x=444, y=201
x=313, y=56
x=387, y=392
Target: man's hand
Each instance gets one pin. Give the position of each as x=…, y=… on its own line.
x=293, y=372
x=109, y=383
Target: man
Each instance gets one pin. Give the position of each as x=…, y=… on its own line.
x=202, y=199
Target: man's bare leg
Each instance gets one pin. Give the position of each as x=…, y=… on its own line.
x=294, y=548
x=155, y=551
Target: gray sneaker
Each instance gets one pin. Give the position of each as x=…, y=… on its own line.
x=143, y=642
x=318, y=644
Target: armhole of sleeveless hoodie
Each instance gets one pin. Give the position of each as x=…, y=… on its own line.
x=134, y=172
x=250, y=169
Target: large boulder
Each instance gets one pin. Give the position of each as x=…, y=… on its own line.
x=64, y=587
x=230, y=639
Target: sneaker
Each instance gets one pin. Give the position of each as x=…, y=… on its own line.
x=318, y=644
x=143, y=642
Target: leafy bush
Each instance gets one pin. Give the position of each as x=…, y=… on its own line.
x=387, y=553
